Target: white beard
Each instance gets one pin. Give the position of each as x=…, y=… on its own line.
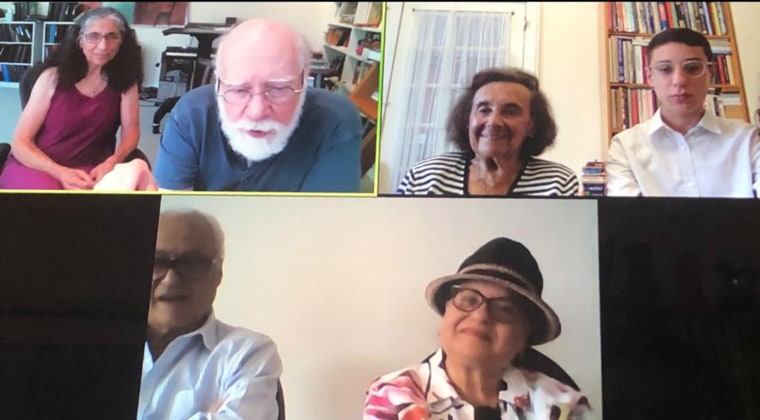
x=253, y=149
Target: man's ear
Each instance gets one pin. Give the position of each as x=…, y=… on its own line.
x=219, y=273
x=648, y=74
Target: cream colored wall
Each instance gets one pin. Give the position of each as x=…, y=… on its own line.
x=746, y=17
x=570, y=73
x=339, y=283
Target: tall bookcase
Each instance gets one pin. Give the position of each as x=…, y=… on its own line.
x=352, y=50
x=53, y=35
x=17, y=41
x=628, y=28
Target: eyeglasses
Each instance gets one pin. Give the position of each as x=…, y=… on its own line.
x=241, y=96
x=502, y=309
x=691, y=68
x=188, y=266
x=96, y=37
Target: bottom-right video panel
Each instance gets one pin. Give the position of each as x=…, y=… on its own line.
x=680, y=308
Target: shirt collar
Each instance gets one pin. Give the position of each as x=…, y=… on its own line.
x=515, y=387
x=709, y=122
x=208, y=332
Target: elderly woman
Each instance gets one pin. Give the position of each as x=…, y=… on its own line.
x=500, y=124
x=492, y=312
x=88, y=88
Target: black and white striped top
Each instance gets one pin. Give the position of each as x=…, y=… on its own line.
x=447, y=174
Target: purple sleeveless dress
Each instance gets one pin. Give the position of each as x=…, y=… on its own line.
x=78, y=132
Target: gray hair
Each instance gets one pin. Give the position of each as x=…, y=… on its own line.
x=206, y=219
x=99, y=13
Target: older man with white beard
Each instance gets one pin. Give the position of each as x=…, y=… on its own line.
x=260, y=128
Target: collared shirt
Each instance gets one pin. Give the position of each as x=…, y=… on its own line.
x=716, y=158
x=215, y=372
x=425, y=392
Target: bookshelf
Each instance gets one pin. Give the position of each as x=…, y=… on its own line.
x=628, y=27
x=352, y=50
x=17, y=40
x=352, y=42
x=53, y=33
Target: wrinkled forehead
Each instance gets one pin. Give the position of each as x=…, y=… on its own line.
x=255, y=59
x=502, y=92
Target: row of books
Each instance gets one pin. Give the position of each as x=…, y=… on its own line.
x=15, y=53
x=629, y=60
x=16, y=32
x=631, y=106
x=655, y=16
x=12, y=72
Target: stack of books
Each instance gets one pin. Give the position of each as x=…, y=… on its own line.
x=594, y=179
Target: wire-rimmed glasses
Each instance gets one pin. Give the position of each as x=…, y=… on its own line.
x=240, y=95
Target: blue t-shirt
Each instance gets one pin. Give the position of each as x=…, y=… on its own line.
x=322, y=155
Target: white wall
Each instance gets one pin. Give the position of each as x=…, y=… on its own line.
x=338, y=283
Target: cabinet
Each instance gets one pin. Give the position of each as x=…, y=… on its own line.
x=53, y=35
x=628, y=27
x=17, y=40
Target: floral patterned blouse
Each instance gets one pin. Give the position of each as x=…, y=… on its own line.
x=423, y=392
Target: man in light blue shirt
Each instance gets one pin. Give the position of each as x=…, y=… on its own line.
x=196, y=367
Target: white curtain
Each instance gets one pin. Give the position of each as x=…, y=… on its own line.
x=449, y=48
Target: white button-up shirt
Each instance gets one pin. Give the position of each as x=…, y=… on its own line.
x=716, y=158
x=215, y=372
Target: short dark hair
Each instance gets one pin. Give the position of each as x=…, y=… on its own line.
x=544, y=127
x=124, y=70
x=685, y=36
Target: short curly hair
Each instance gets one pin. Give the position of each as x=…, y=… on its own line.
x=544, y=127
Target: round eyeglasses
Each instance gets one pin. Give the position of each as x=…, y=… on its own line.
x=242, y=96
x=501, y=309
x=96, y=37
x=690, y=68
x=188, y=266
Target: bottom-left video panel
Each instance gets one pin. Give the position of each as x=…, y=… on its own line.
x=75, y=278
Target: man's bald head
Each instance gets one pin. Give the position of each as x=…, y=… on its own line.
x=260, y=40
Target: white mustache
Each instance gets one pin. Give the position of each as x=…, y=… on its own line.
x=266, y=125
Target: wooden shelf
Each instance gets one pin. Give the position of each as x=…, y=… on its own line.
x=649, y=35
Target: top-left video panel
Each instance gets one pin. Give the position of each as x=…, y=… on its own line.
x=227, y=98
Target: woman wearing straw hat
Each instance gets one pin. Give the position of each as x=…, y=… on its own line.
x=492, y=312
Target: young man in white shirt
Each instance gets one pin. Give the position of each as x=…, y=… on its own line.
x=683, y=150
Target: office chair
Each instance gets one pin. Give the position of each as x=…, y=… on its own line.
x=26, y=83
x=5, y=150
